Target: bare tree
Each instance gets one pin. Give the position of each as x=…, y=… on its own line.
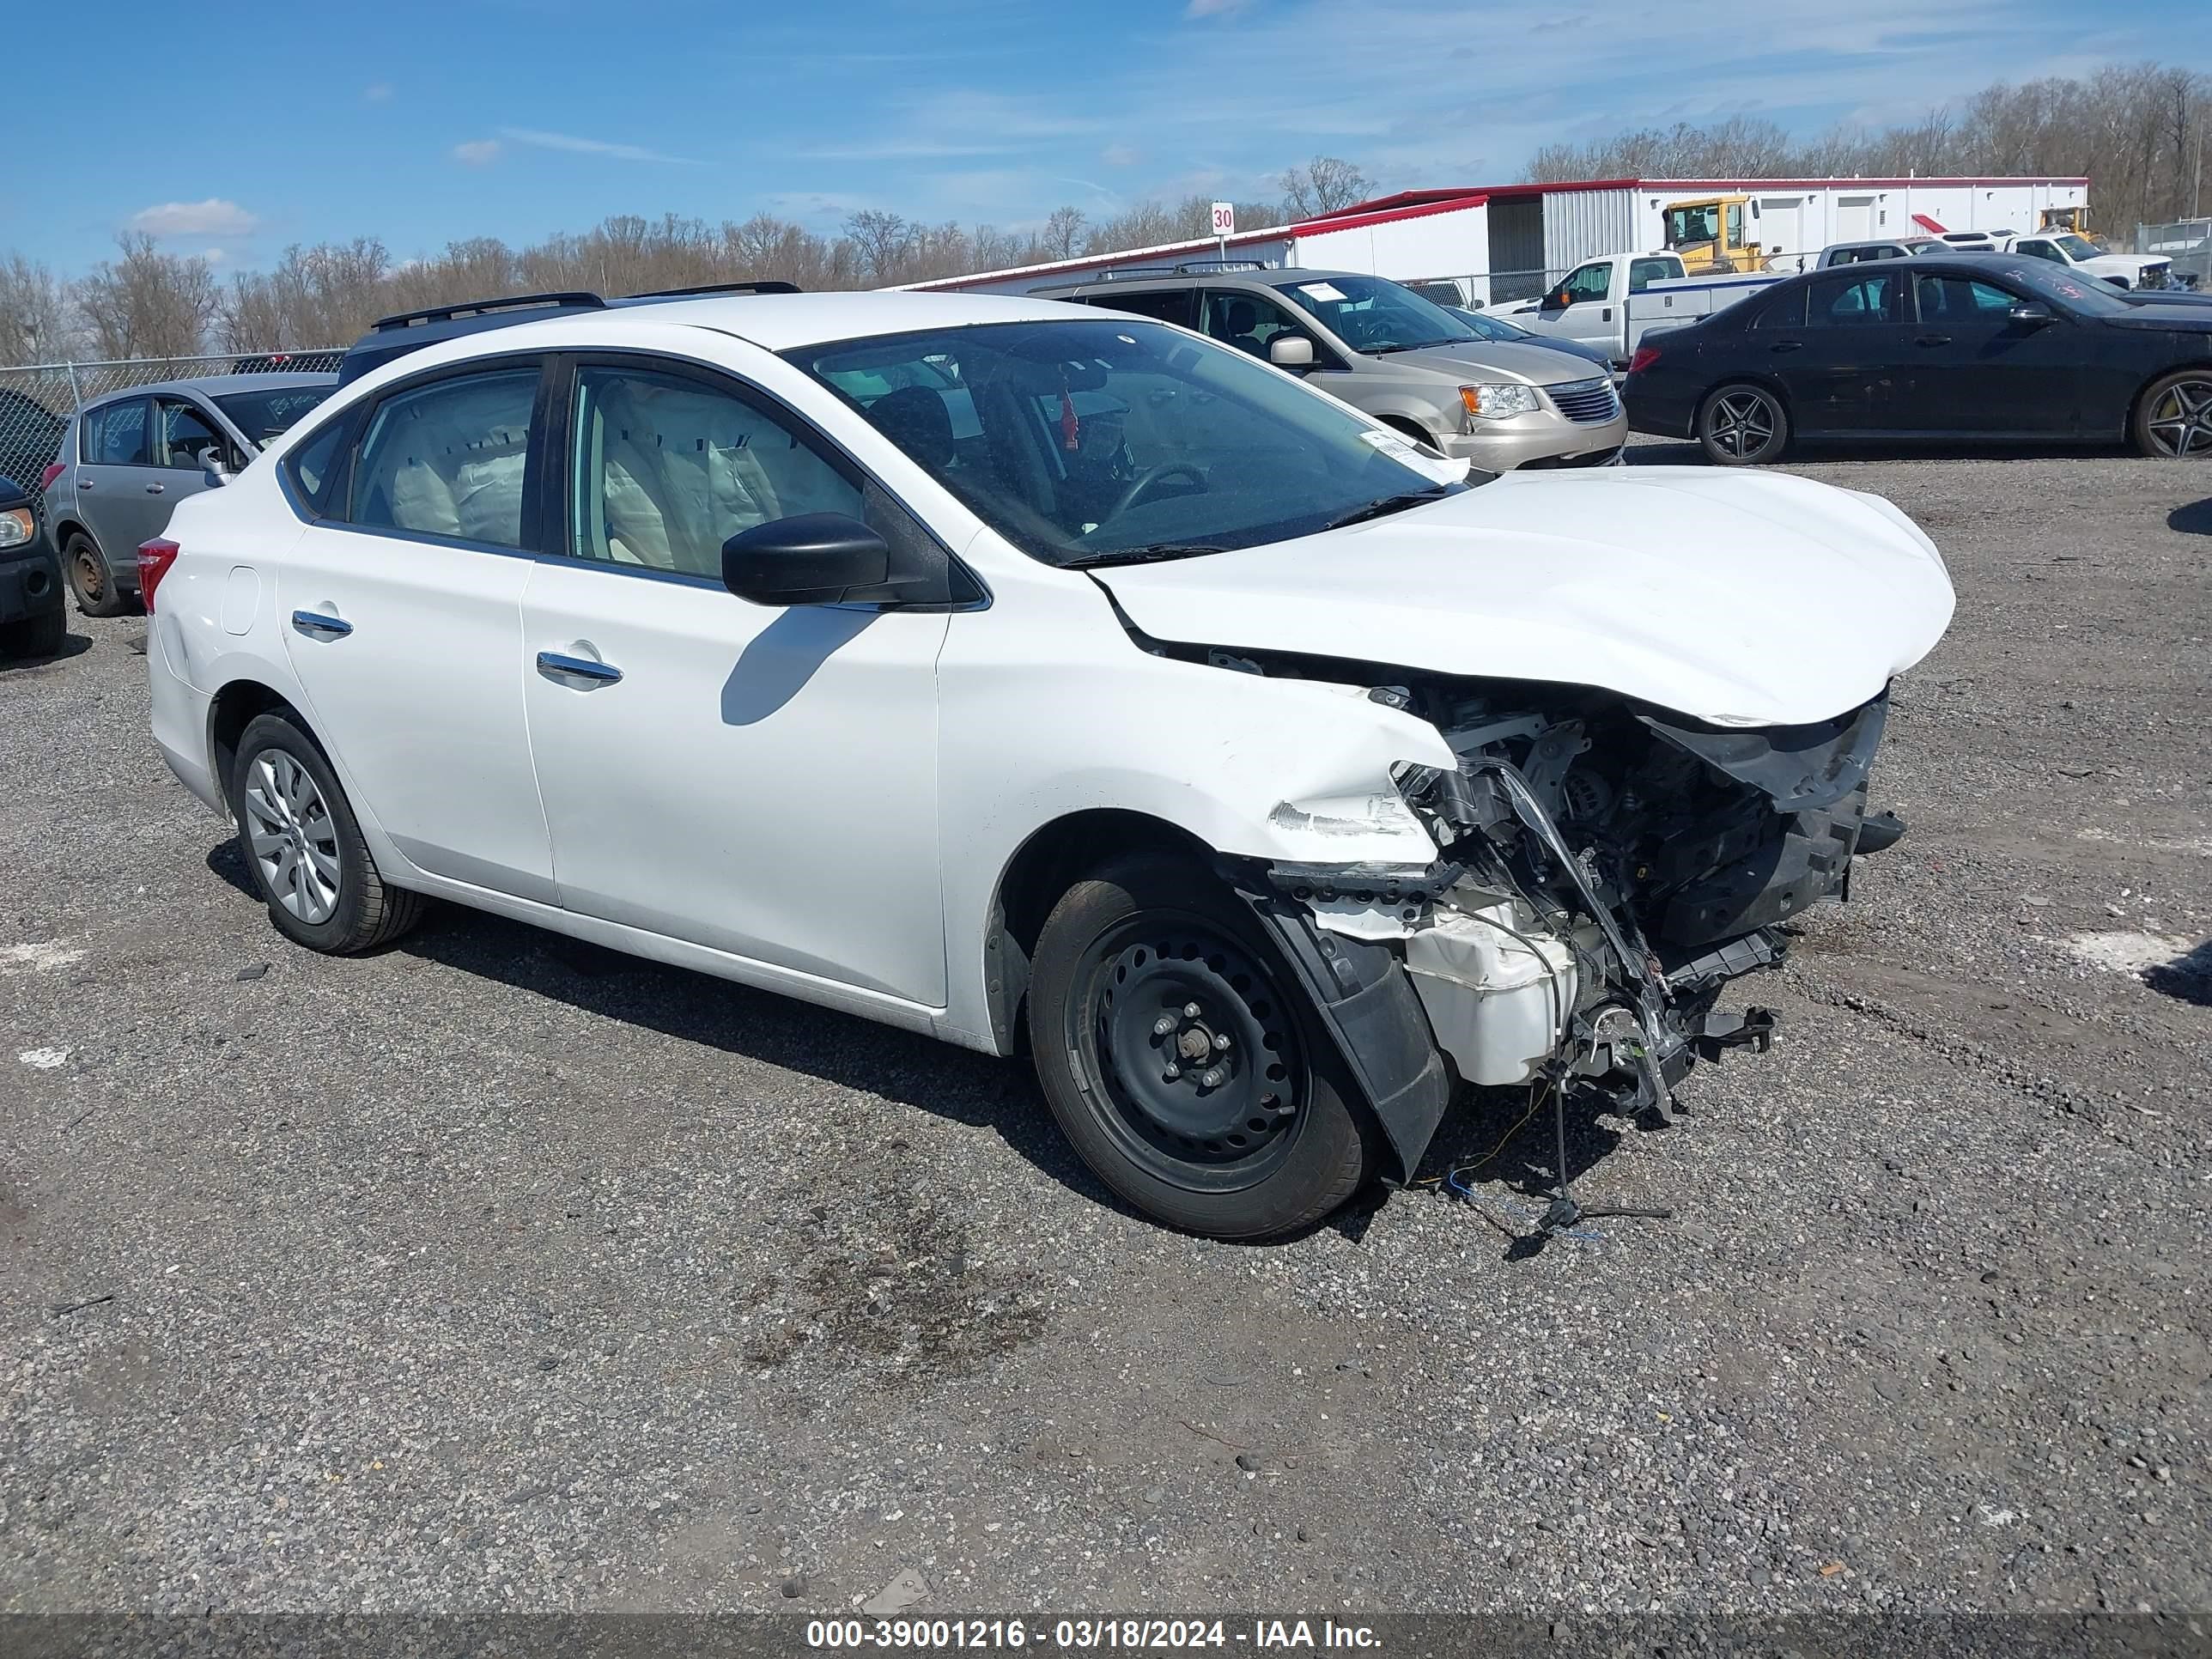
x=1063, y=233
x=35, y=325
x=149, y=303
x=1324, y=185
x=881, y=240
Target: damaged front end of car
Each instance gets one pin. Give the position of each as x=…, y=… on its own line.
x=1603, y=871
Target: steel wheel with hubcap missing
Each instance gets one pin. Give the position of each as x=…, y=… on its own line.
x=293, y=838
x=1741, y=426
x=2175, y=420
x=1181, y=1059
x=91, y=583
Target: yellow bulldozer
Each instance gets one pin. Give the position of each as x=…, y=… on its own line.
x=1709, y=234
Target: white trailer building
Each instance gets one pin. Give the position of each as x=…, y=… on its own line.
x=1506, y=242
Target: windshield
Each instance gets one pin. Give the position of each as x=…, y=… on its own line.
x=1084, y=442
x=262, y=416
x=1373, y=314
x=2079, y=247
x=2061, y=286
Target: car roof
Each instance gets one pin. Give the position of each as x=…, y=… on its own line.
x=1268, y=277
x=219, y=385
x=775, y=322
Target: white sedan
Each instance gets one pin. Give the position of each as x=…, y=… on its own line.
x=1033, y=678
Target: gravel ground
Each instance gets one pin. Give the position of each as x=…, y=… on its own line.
x=495, y=1272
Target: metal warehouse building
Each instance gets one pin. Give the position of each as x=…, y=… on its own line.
x=1506, y=242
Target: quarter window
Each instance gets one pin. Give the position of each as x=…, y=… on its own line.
x=667, y=469
x=115, y=434
x=310, y=463
x=1785, y=310
x=447, y=459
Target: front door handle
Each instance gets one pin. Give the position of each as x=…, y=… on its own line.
x=155, y=489
x=314, y=624
x=84, y=483
x=554, y=665
x=1787, y=345
x=1933, y=340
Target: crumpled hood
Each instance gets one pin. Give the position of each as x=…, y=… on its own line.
x=1512, y=362
x=1736, y=599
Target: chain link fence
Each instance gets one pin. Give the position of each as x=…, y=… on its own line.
x=36, y=401
x=2187, y=245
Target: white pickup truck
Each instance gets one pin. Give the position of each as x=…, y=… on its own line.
x=1613, y=302
x=2078, y=252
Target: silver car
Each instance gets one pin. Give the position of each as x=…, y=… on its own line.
x=1392, y=354
x=128, y=458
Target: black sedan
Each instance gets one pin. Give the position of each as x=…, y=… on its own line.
x=1949, y=348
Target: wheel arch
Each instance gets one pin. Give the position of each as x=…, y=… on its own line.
x=1766, y=382
x=1054, y=857
x=231, y=711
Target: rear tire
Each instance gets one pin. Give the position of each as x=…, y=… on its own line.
x=2174, y=420
x=34, y=636
x=304, y=848
x=1235, y=1121
x=1743, y=425
x=91, y=582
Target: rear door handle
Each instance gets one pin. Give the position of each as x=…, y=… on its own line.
x=1933, y=340
x=314, y=623
x=1787, y=345
x=84, y=483
x=554, y=665
x=154, y=488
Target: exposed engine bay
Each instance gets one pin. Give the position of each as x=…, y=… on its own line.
x=1604, y=870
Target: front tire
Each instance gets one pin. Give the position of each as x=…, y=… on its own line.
x=2173, y=421
x=34, y=636
x=1743, y=425
x=1183, y=1062
x=299, y=839
x=92, y=584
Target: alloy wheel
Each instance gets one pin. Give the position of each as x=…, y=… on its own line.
x=1742, y=424
x=292, y=836
x=2180, y=422
x=1197, y=1050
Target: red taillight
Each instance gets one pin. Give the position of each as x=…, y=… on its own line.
x=154, y=558
x=54, y=469
x=1644, y=357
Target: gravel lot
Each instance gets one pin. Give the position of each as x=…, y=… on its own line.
x=497, y=1272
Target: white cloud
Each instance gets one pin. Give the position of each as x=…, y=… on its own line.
x=213, y=217
x=376, y=92
x=477, y=152
x=213, y=256
x=1213, y=8
x=562, y=141
x=1120, y=156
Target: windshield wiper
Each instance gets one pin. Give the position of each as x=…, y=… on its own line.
x=1152, y=555
x=1387, y=504
x=1414, y=345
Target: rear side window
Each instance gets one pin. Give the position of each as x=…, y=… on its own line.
x=446, y=459
x=115, y=434
x=1857, y=303
x=1172, y=305
x=1784, y=310
x=1642, y=273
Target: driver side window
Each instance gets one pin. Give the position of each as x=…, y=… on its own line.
x=1245, y=320
x=667, y=469
x=1589, y=282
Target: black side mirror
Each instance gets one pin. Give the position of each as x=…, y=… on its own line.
x=1556, y=300
x=816, y=558
x=2031, y=312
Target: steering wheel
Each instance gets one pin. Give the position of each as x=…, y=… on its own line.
x=1151, y=475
